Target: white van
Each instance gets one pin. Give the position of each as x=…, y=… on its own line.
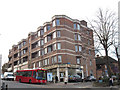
x=8, y=76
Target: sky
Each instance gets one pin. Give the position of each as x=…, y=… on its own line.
x=19, y=17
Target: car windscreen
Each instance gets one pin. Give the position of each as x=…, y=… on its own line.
x=10, y=75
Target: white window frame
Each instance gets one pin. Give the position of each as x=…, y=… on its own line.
x=75, y=36
x=38, y=33
x=45, y=61
x=53, y=23
x=78, y=26
x=59, y=46
x=54, y=34
x=48, y=60
x=45, y=50
x=58, y=34
x=39, y=53
x=55, y=59
x=45, y=39
x=80, y=48
x=39, y=63
x=79, y=37
x=45, y=29
x=59, y=58
x=41, y=32
x=42, y=42
x=74, y=26
x=39, y=43
x=76, y=48
x=54, y=46
x=78, y=60
x=57, y=22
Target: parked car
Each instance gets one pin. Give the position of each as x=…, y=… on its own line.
x=2, y=76
x=9, y=76
x=90, y=78
x=74, y=78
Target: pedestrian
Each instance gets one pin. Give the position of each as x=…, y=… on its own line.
x=111, y=82
x=56, y=79
x=65, y=80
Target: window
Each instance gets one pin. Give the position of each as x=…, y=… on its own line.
x=88, y=32
x=45, y=29
x=79, y=37
x=80, y=48
x=59, y=46
x=38, y=43
x=45, y=61
x=76, y=48
x=48, y=28
x=19, y=46
x=78, y=60
x=49, y=37
x=75, y=26
x=53, y=23
x=24, y=51
x=39, y=64
x=54, y=34
x=52, y=60
x=38, y=53
x=42, y=52
x=24, y=43
x=59, y=58
x=38, y=33
x=42, y=42
x=54, y=46
x=42, y=32
x=57, y=22
x=45, y=39
x=89, y=52
x=33, y=65
x=55, y=59
x=78, y=26
x=90, y=62
x=48, y=60
x=75, y=36
x=91, y=72
x=49, y=49
x=45, y=50
x=88, y=42
x=58, y=33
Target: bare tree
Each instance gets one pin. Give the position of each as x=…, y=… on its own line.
x=104, y=27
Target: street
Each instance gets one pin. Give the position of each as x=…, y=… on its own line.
x=84, y=86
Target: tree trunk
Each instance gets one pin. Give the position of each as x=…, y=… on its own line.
x=107, y=63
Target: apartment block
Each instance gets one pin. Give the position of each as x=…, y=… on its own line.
x=64, y=46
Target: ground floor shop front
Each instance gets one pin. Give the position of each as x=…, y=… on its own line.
x=64, y=70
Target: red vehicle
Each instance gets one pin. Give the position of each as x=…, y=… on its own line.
x=32, y=76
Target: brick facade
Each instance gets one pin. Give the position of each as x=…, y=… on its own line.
x=65, y=47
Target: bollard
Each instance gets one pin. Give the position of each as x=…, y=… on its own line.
x=3, y=86
x=6, y=87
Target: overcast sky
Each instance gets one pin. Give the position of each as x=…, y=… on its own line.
x=19, y=17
